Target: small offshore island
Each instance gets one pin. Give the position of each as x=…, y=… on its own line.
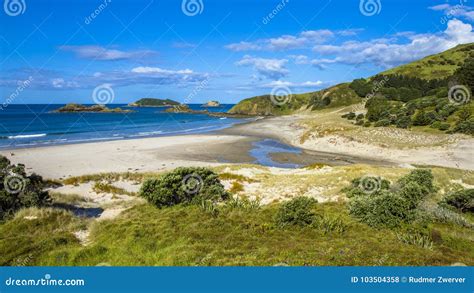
x=77, y=108
x=152, y=102
x=211, y=104
x=183, y=108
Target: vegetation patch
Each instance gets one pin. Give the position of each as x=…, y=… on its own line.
x=296, y=212
x=376, y=203
x=183, y=185
x=18, y=190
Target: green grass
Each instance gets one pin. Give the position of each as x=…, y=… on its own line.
x=108, y=177
x=435, y=66
x=185, y=235
x=102, y=187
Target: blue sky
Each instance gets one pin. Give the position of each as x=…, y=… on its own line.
x=228, y=50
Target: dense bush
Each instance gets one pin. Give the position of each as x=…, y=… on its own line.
x=349, y=116
x=184, y=185
x=462, y=200
x=465, y=73
x=384, y=209
x=466, y=127
x=374, y=202
x=17, y=190
x=422, y=177
x=296, y=212
x=361, y=87
x=381, y=123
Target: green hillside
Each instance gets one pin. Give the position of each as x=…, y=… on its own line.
x=429, y=76
x=436, y=66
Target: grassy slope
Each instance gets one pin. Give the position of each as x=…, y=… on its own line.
x=185, y=235
x=435, y=66
x=341, y=95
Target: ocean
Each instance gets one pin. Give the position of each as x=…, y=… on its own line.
x=36, y=125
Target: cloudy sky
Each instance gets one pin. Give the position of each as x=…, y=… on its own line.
x=196, y=50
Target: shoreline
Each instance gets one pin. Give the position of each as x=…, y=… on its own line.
x=231, y=145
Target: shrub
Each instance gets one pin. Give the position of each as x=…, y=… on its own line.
x=381, y=123
x=466, y=127
x=413, y=193
x=421, y=119
x=360, y=117
x=349, y=116
x=375, y=203
x=381, y=210
x=462, y=200
x=361, y=87
x=403, y=122
x=183, y=185
x=17, y=190
x=367, y=124
x=422, y=177
x=440, y=125
x=296, y=212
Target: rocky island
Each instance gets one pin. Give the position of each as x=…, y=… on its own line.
x=211, y=104
x=152, y=102
x=182, y=108
x=77, y=108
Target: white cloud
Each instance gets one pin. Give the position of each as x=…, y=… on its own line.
x=288, y=42
x=300, y=59
x=386, y=52
x=269, y=68
x=45, y=79
x=104, y=54
x=460, y=10
x=145, y=69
